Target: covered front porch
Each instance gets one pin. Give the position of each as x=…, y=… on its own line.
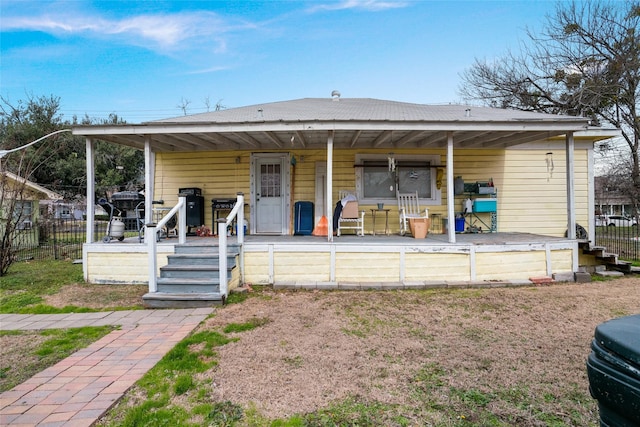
x=355, y=262
x=306, y=152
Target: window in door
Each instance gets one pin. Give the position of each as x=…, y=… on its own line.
x=270, y=177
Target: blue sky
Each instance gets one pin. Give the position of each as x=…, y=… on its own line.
x=143, y=59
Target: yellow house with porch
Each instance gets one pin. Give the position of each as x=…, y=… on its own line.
x=518, y=183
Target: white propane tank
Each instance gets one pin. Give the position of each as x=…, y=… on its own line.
x=467, y=206
x=117, y=228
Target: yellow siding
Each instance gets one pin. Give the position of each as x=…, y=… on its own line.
x=120, y=267
x=532, y=200
x=216, y=173
x=562, y=260
x=367, y=267
x=529, y=198
x=313, y=266
x=256, y=268
x=510, y=265
x=307, y=266
x=437, y=267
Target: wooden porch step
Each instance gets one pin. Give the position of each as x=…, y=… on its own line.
x=622, y=266
x=172, y=271
x=182, y=300
x=191, y=278
x=182, y=285
x=609, y=259
x=210, y=259
x=598, y=251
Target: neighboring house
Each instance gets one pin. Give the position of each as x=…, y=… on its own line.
x=62, y=209
x=541, y=167
x=609, y=201
x=27, y=202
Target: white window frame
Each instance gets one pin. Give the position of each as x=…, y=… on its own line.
x=433, y=160
x=23, y=213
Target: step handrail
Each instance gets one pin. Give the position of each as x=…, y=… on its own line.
x=182, y=219
x=223, y=223
x=151, y=241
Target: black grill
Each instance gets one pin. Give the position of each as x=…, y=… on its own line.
x=127, y=202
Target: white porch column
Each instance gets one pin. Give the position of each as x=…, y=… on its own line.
x=329, y=205
x=149, y=172
x=451, y=214
x=591, y=203
x=152, y=257
x=571, y=197
x=91, y=190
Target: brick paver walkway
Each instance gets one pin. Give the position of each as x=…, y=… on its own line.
x=81, y=388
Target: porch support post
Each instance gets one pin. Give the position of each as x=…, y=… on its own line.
x=149, y=171
x=329, y=185
x=152, y=257
x=591, y=203
x=451, y=220
x=571, y=197
x=91, y=191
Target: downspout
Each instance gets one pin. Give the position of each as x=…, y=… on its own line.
x=330, y=185
x=451, y=221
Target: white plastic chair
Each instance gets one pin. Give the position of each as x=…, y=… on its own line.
x=351, y=218
x=409, y=207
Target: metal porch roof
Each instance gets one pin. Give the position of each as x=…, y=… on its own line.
x=356, y=123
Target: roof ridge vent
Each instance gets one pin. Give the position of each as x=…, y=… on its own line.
x=335, y=95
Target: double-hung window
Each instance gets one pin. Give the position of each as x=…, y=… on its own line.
x=23, y=214
x=379, y=178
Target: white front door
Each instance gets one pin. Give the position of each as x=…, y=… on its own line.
x=270, y=191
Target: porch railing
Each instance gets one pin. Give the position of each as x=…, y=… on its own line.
x=151, y=241
x=236, y=213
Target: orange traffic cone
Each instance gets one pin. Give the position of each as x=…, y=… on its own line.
x=322, y=228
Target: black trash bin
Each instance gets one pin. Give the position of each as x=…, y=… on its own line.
x=613, y=368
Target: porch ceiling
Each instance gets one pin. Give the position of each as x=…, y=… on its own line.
x=355, y=123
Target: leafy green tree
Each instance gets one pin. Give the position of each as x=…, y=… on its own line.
x=57, y=163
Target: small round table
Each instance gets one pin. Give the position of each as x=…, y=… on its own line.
x=386, y=220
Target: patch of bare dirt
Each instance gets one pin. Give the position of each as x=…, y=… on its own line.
x=98, y=297
x=16, y=353
x=324, y=346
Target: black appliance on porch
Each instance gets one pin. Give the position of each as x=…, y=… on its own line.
x=218, y=205
x=131, y=207
x=194, y=208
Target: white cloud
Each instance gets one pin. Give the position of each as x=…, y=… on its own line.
x=159, y=31
x=369, y=5
x=208, y=70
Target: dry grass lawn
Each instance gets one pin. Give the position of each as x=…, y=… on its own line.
x=516, y=353
x=462, y=357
